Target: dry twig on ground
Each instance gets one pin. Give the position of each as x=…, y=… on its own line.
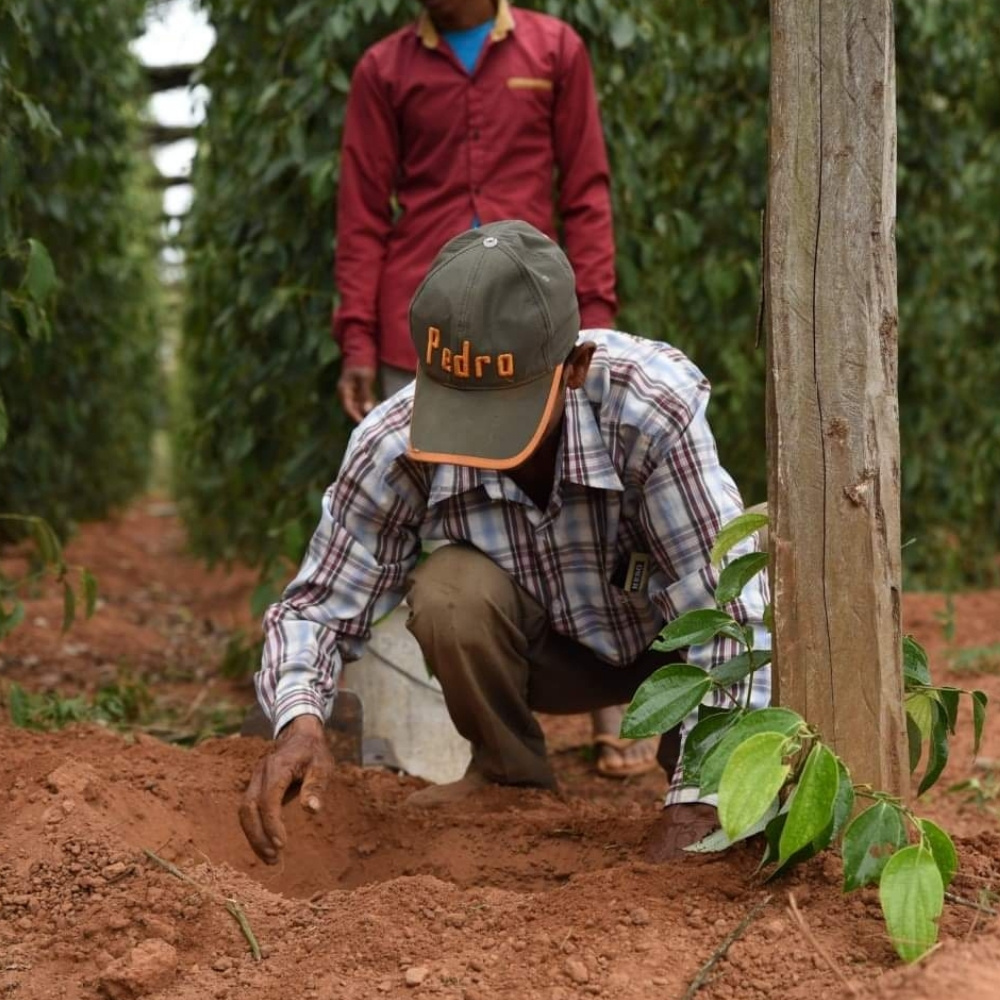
x=800, y=922
x=232, y=906
x=720, y=953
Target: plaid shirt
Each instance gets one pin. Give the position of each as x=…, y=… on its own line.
x=638, y=473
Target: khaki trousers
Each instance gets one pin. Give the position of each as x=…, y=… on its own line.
x=489, y=644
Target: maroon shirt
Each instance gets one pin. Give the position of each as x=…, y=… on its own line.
x=453, y=147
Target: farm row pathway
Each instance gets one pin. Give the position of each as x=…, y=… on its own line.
x=521, y=894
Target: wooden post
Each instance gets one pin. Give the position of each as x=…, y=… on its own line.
x=833, y=418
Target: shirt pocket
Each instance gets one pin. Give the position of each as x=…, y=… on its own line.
x=530, y=99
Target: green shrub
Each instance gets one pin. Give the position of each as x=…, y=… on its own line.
x=683, y=90
x=80, y=383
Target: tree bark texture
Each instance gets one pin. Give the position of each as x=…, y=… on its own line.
x=833, y=417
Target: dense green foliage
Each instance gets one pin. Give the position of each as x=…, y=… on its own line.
x=683, y=89
x=78, y=379
x=261, y=432
x=948, y=239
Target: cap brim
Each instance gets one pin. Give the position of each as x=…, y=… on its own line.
x=481, y=428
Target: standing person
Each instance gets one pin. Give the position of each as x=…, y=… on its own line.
x=576, y=481
x=466, y=117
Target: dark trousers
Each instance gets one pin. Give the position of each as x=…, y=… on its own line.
x=490, y=645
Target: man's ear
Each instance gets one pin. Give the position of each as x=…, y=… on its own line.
x=578, y=364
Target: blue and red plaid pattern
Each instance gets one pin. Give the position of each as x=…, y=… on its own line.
x=638, y=473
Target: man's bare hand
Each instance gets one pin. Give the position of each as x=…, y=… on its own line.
x=356, y=390
x=300, y=755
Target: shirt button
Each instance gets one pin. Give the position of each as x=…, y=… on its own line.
x=475, y=133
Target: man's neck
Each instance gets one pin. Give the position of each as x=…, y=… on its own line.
x=537, y=476
x=471, y=15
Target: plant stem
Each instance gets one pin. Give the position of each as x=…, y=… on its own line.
x=971, y=903
x=734, y=935
x=232, y=906
x=803, y=927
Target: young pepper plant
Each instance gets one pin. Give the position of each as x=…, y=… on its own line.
x=772, y=774
x=49, y=561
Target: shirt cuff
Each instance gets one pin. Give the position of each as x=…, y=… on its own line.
x=358, y=346
x=292, y=704
x=688, y=795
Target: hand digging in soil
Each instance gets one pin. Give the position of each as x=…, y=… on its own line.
x=301, y=755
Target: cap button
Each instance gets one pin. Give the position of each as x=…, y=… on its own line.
x=490, y=242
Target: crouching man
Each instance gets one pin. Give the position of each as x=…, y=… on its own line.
x=576, y=480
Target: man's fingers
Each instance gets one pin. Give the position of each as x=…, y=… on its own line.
x=277, y=777
x=346, y=396
x=250, y=819
x=356, y=390
x=316, y=782
x=365, y=393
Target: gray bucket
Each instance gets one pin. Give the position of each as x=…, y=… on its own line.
x=405, y=705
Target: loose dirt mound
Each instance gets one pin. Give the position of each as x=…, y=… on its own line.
x=518, y=894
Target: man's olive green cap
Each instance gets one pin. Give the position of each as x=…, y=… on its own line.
x=492, y=324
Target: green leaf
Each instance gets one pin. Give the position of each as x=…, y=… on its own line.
x=47, y=543
x=869, y=840
x=664, y=700
x=734, y=532
x=979, y=702
x=948, y=696
x=706, y=733
x=69, y=606
x=738, y=574
x=915, y=742
x=89, y=592
x=9, y=620
x=4, y=422
x=622, y=31
x=812, y=801
x=939, y=749
x=718, y=840
x=911, y=892
x=920, y=708
x=843, y=804
x=915, y=669
x=751, y=781
x=263, y=596
x=734, y=670
x=39, y=275
x=943, y=849
x=773, y=834
x=20, y=708
x=766, y=720
x=692, y=629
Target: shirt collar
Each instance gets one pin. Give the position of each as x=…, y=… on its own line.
x=503, y=25
x=584, y=459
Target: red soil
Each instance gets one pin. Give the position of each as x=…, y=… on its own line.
x=519, y=894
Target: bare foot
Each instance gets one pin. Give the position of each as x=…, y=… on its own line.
x=454, y=791
x=617, y=757
x=678, y=827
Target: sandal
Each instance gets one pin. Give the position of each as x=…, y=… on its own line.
x=623, y=768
